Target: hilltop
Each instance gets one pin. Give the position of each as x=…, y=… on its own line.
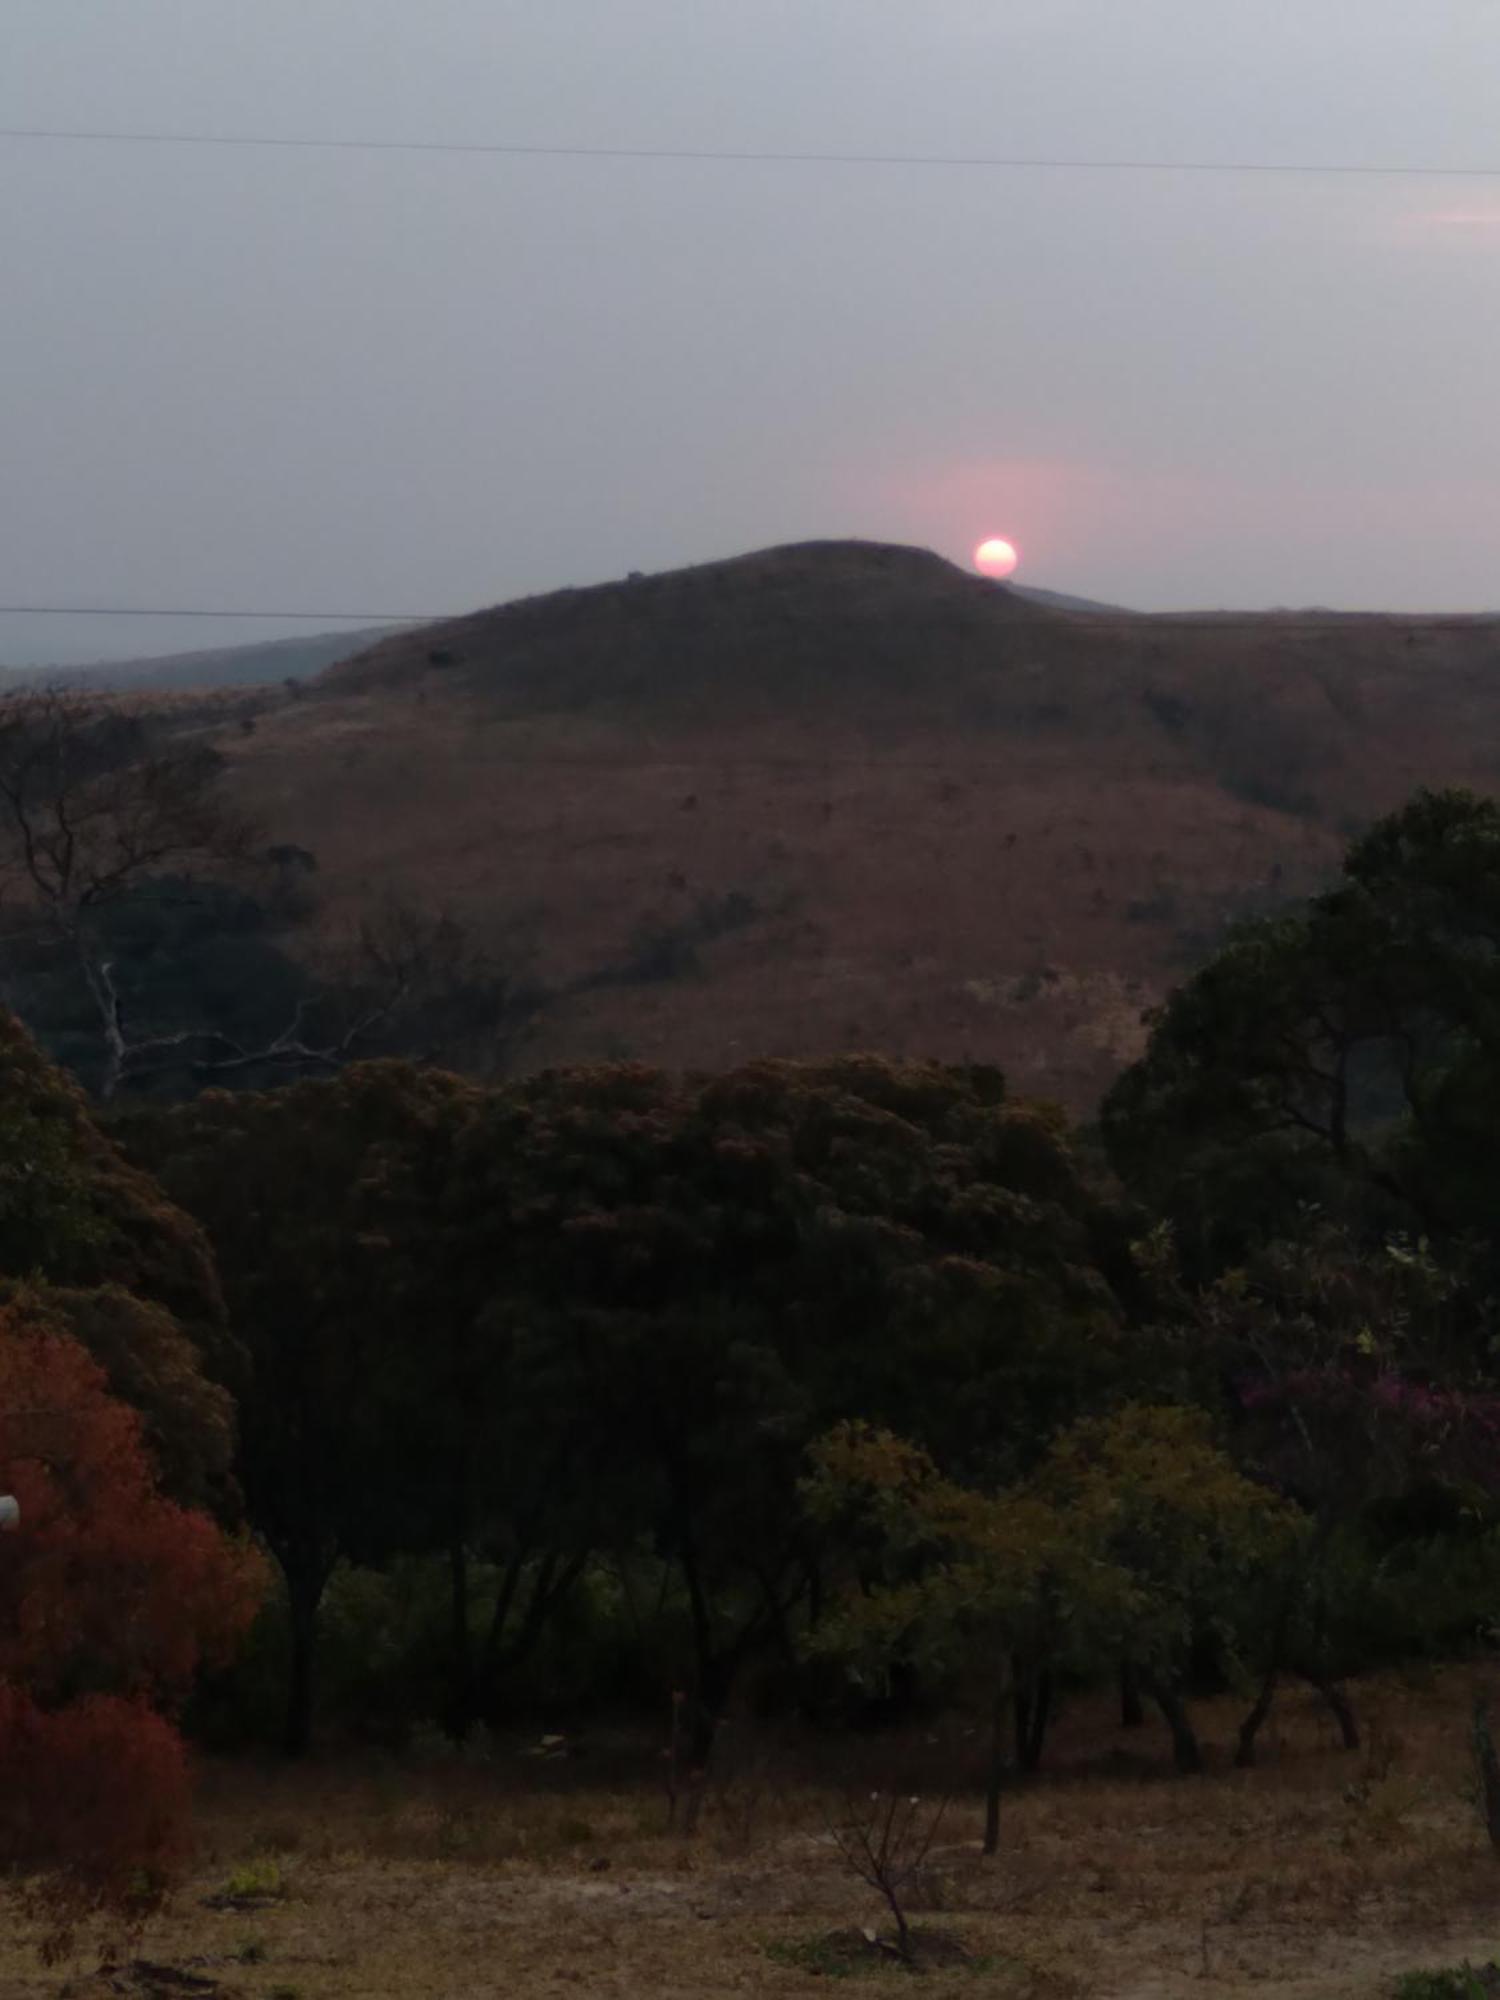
x=845, y=794
x=833, y=627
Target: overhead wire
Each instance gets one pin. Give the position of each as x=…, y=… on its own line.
x=1284, y=620
x=687, y=155
x=699, y=155
x=199, y=611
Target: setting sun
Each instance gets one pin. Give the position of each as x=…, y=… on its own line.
x=996, y=558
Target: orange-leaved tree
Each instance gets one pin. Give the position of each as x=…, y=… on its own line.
x=111, y=1598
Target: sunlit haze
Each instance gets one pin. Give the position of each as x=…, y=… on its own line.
x=405, y=381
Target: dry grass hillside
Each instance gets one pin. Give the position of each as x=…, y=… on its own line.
x=844, y=794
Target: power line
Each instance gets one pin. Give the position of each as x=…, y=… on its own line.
x=1209, y=621
x=183, y=611
x=1018, y=163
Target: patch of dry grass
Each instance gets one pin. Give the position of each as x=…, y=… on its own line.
x=1322, y=1874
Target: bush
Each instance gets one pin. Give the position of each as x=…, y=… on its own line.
x=1460, y=1982
x=385, y=1656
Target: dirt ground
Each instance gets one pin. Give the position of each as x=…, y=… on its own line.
x=1323, y=1874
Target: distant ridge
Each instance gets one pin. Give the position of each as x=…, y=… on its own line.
x=1062, y=600
x=268, y=661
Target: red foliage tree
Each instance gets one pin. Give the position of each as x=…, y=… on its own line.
x=111, y=1598
x=95, y=1803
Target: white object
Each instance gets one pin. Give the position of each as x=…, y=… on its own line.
x=10, y=1511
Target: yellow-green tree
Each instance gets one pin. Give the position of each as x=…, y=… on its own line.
x=1135, y=1530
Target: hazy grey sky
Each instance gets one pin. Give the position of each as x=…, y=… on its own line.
x=396, y=381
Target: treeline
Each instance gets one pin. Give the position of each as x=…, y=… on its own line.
x=828, y=1385
x=578, y=1333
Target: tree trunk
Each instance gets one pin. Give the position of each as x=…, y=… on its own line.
x=995, y=1775
x=304, y=1595
x=1339, y=1702
x=107, y=1005
x=713, y=1666
x=461, y=1663
x=715, y=1679
x=550, y=1584
x=1244, y=1755
x=1488, y=1767
x=1033, y=1711
x=1275, y=1657
x=1132, y=1709
x=505, y=1599
x=1185, y=1752
x=715, y=1683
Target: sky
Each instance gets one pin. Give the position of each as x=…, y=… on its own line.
x=390, y=381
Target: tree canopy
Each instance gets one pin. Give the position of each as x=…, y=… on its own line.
x=129, y=1273
x=1345, y=1055
x=609, y=1309
x=111, y=1599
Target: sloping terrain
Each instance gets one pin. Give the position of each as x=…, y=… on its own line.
x=216, y=667
x=846, y=795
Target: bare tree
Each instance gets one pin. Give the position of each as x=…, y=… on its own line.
x=403, y=980
x=93, y=800
x=885, y=1838
x=97, y=801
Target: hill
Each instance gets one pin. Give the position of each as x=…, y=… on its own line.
x=267, y=661
x=844, y=794
x=1062, y=600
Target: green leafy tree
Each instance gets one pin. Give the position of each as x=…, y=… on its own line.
x=410, y=1392
x=1345, y=1056
x=128, y=1272
x=942, y=1575
x=606, y=1311
x=732, y=1264
x=1134, y=1531
x=323, y=1204
x=1153, y=1495
x=1325, y=1349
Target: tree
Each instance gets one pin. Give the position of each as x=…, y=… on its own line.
x=93, y=800
x=1345, y=1056
x=605, y=1311
x=1342, y=1372
x=147, y=970
x=411, y=1390
x=939, y=1575
x=1153, y=1495
x=188, y=1421
x=111, y=1598
x=95, y=1806
x=127, y=1273
x=230, y=1004
x=1134, y=1529
x=322, y=1202
x=885, y=1840
x=735, y=1263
